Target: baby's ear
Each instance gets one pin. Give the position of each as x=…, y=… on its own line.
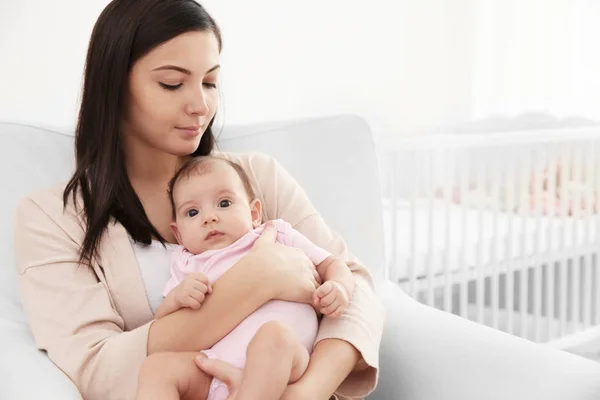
x=256, y=212
x=175, y=231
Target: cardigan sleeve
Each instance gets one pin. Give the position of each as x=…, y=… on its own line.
x=69, y=307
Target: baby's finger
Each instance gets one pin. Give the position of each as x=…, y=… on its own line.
x=329, y=299
x=201, y=287
x=191, y=302
x=325, y=289
x=198, y=296
x=316, y=298
x=330, y=309
x=199, y=277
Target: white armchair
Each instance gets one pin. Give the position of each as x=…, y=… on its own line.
x=425, y=354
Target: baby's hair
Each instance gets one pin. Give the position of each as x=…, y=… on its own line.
x=201, y=165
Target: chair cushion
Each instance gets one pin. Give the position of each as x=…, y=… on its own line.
x=334, y=160
x=30, y=158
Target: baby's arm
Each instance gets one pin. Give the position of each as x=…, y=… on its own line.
x=333, y=296
x=189, y=293
x=166, y=307
x=334, y=269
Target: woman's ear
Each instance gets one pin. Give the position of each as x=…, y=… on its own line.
x=256, y=212
x=175, y=231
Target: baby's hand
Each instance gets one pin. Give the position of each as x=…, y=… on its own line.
x=331, y=298
x=192, y=291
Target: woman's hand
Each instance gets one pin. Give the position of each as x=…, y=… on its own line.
x=225, y=372
x=232, y=377
x=289, y=273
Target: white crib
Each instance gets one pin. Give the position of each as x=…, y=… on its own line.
x=502, y=228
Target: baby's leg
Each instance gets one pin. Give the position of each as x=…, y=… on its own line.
x=166, y=376
x=274, y=358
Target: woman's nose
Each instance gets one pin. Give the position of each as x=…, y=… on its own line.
x=197, y=103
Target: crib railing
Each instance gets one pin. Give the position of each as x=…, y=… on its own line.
x=503, y=229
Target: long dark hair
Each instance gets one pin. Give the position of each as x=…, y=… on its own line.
x=125, y=31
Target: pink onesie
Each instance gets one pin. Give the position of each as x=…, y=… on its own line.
x=301, y=318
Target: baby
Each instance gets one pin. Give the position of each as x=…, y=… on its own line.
x=216, y=220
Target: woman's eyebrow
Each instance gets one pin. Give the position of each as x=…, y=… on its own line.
x=182, y=70
x=213, y=68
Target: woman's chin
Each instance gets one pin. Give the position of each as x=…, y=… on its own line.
x=185, y=149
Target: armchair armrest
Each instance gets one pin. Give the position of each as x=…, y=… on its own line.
x=430, y=354
x=25, y=371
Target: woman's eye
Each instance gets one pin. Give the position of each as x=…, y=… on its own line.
x=170, y=87
x=210, y=85
x=191, y=213
x=224, y=203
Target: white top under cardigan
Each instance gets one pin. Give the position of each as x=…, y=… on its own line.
x=154, y=261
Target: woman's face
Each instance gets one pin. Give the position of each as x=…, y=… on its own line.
x=173, y=94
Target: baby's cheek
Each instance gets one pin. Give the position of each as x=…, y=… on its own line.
x=192, y=239
x=195, y=247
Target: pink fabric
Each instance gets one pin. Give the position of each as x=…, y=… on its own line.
x=301, y=318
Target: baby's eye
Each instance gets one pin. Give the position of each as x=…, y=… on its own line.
x=191, y=213
x=224, y=203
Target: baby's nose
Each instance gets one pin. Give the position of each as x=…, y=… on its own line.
x=210, y=219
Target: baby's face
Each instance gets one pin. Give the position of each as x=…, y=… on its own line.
x=213, y=209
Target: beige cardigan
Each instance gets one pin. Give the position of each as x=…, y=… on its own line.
x=93, y=322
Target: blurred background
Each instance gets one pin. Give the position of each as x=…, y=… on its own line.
x=407, y=66
x=484, y=113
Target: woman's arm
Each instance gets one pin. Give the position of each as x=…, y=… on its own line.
x=73, y=317
x=270, y=270
x=228, y=304
x=68, y=305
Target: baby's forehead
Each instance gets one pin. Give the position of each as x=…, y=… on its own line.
x=216, y=175
x=215, y=169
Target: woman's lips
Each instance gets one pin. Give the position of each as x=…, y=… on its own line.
x=190, y=131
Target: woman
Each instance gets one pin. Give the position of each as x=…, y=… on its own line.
x=92, y=255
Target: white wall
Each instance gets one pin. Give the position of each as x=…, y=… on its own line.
x=281, y=60
x=537, y=55
x=42, y=50
x=321, y=57
x=405, y=65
